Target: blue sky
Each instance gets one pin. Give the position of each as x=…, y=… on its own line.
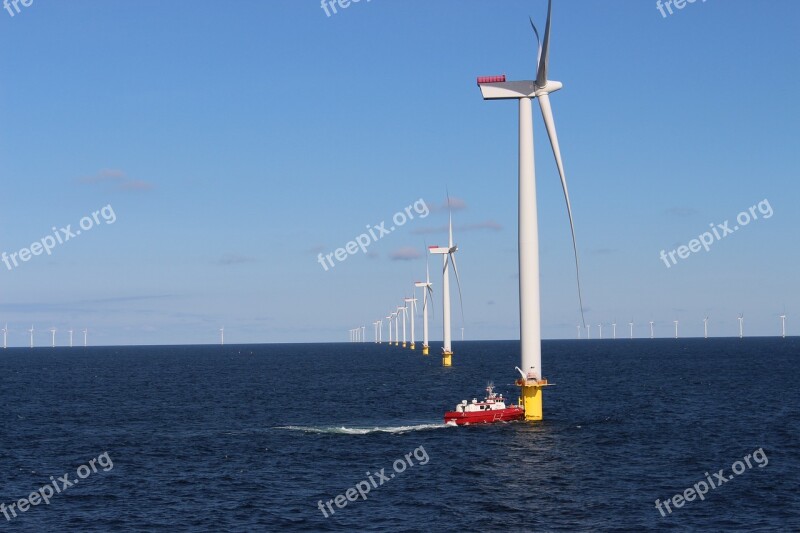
x=237, y=141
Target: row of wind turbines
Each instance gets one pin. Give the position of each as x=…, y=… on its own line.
x=5, y=332
x=409, y=306
x=676, y=322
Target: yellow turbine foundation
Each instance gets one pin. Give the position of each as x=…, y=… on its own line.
x=404, y=345
x=447, y=359
x=531, y=400
x=424, y=350
x=412, y=346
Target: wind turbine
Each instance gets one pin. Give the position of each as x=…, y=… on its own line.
x=5, y=336
x=363, y=333
x=631, y=325
x=676, y=328
x=651, y=329
x=376, y=331
x=782, y=317
x=85, y=337
x=31, y=332
x=601, y=330
x=496, y=87
x=614, y=325
x=389, y=320
x=427, y=291
x=395, y=316
x=70, y=337
x=53, y=331
x=448, y=256
x=413, y=305
x=741, y=326
x=579, y=331
x=705, y=327
x=402, y=309
x=380, y=331
x=588, y=332
x=222, y=336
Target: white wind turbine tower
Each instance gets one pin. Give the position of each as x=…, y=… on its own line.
x=70, y=337
x=389, y=320
x=395, y=316
x=376, y=331
x=85, y=337
x=676, y=328
x=579, y=330
x=651, y=329
x=5, y=337
x=53, y=331
x=31, y=332
x=614, y=325
x=380, y=331
x=631, y=325
x=530, y=320
x=588, y=332
x=427, y=292
x=404, y=311
x=601, y=330
x=363, y=333
x=782, y=317
x=705, y=327
x=412, y=303
x=741, y=326
x=222, y=336
x=448, y=256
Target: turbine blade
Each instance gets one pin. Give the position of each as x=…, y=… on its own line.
x=458, y=283
x=538, y=44
x=541, y=75
x=547, y=114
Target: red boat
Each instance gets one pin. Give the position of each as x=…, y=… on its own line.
x=492, y=409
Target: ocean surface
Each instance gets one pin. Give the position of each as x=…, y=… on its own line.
x=254, y=437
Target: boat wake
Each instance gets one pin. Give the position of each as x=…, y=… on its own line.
x=362, y=431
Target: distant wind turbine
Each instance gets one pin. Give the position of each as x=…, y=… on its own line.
x=651, y=329
x=588, y=332
x=676, y=328
x=222, y=336
x=5, y=336
x=579, y=330
x=85, y=337
x=427, y=294
x=741, y=326
x=389, y=320
x=31, y=332
x=403, y=310
x=70, y=337
x=448, y=254
x=363, y=333
x=53, y=331
x=783, y=326
x=412, y=304
x=705, y=327
x=614, y=325
x=631, y=325
x=396, y=316
x=601, y=330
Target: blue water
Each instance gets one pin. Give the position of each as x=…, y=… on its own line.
x=251, y=438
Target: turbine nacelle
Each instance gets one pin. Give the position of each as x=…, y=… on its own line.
x=514, y=90
x=442, y=250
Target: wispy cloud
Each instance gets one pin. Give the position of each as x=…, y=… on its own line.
x=234, y=259
x=116, y=179
x=456, y=204
x=485, y=225
x=406, y=253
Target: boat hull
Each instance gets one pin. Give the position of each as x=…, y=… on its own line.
x=484, y=417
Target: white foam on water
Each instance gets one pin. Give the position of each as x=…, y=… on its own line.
x=363, y=431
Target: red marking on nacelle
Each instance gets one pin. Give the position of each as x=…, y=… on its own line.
x=491, y=79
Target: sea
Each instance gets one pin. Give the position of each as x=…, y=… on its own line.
x=350, y=437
